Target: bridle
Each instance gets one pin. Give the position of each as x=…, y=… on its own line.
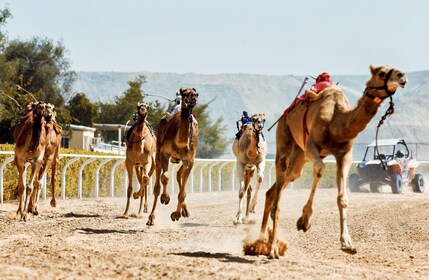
x=258, y=132
x=383, y=87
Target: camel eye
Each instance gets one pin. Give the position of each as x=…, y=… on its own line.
x=381, y=74
x=400, y=75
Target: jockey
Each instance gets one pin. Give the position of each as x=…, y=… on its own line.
x=245, y=120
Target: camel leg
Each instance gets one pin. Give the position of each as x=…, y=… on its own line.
x=32, y=205
x=53, y=175
x=343, y=168
x=21, y=185
x=259, y=178
x=241, y=192
x=38, y=185
x=248, y=175
x=37, y=162
x=312, y=153
x=165, y=178
x=293, y=172
x=129, y=166
x=182, y=208
x=156, y=189
x=144, y=182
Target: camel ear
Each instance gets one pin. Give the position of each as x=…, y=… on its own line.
x=263, y=116
x=194, y=89
x=372, y=68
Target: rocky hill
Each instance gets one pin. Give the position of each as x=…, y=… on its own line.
x=230, y=94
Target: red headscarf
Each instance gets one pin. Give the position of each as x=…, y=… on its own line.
x=323, y=80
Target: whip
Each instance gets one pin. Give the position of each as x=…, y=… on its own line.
x=302, y=86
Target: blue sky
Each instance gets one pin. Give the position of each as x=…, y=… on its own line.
x=230, y=36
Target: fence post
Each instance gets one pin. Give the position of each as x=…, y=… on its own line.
x=63, y=176
x=79, y=180
x=2, y=166
x=201, y=174
x=112, y=176
x=97, y=172
x=219, y=175
x=212, y=164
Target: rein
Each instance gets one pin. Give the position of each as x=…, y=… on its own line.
x=257, y=132
x=388, y=112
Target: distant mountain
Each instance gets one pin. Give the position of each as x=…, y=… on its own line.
x=230, y=94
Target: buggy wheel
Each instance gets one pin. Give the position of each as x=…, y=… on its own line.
x=418, y=183
x=396, y=183
x=353, y=182
x=375, y=187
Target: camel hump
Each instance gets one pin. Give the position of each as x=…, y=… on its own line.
x=330, y=89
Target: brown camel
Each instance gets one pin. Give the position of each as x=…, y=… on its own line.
x=250, y=150
x=52, y=150
x=31, y=139
x=309, y=133
x=140, y=154
x=177, y=140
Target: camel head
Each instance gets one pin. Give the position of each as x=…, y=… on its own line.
x=386, y=80
x=50, y=112
x=189, y=97
x=258, y=121
x=142, y=109
x=39, y=108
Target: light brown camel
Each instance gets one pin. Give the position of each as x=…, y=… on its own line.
x=250, y=150
x=31, y=140
x=309, y=133
x=177, y=140
x=52, y=150
x=140, y=154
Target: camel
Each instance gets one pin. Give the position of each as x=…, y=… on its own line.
x=310, y=132
x=50, y=157
x=30, y=137
x=140, y=154
x=250, y=150
x=177, y=141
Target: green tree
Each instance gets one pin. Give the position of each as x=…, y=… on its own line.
x=211, y=144
x=37, y=65
x=81, y=109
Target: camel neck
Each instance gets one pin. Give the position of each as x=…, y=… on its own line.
x=184, y=127
x=354, y=121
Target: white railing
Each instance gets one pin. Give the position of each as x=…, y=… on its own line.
x=207, y=175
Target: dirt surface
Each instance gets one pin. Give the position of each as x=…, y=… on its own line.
x=84, y=239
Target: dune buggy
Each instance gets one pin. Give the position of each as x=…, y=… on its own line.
x=398, y=168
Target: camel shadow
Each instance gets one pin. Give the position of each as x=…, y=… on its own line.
x=76, y=215
x=106, y=231
x=222, y=257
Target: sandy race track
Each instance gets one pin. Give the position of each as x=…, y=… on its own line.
x=84, y=239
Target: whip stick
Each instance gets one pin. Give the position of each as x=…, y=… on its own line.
x=302, y=86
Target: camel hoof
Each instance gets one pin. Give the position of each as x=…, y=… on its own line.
x=349, y=250
x=124, y=216
x=237, y=221
x=175, y=216
x=303, y=224
x=53, y=203
x=185, y=212
x=24, y=216
x=35, y=212
x=165, y=198
x=151, y=220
